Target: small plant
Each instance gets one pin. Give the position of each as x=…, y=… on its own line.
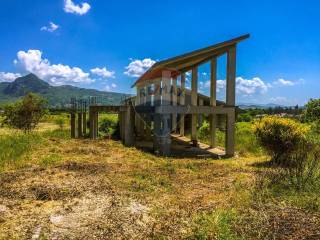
x=60, y=122
x=25, y=114
x=280, y=137
x=312, y=110
x=108, y=126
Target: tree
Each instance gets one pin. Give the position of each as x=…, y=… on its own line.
x=26, y=113
x=312, y=110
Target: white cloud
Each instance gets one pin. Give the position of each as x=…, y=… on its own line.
x=110, y=88
x=250, y=86
x=279, y=100
x=221, y=84
x=138, y=67
x=51, y=28
x=243, y=86
x=283, y=82
x=8, y=77
x=103, y=72
x=71, y=7
x=56, y=74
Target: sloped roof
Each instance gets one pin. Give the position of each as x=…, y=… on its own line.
x=185, y=62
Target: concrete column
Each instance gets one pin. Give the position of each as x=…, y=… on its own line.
x=174, y=103
x=231, y=76
x=73, y=125
x=128, y=131
x=137, y=116
x=96, y=125
x=80, y=124
x=91, y=123
x=231, y=89
x=148, y=116
x=182, y=101
x=194, y=102
x=230, y=134
x=213, y=101
x=84, y=122
x=200, y=120
x=162, y=138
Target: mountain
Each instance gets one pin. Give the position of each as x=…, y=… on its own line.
x=260, y=106
x=57, y=96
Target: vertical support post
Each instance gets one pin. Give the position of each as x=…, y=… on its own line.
x=128, y=133
x=174, y=103
x=137, y=117
x=194, y=102
x=162, y=138
x=200, y=120
x=231, y=90
x=91, y=123
x=148, y=115
x=84, y=122
x=182, y=101
x=96, y=124
x=213, y=101
x=73, y=124
x=79, y=124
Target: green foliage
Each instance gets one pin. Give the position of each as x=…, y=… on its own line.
x=312, y=110
x=246, y=142
x=279, y=136
x=15, y=146
x=244, y=117
x=108, y=126
x=25, y=114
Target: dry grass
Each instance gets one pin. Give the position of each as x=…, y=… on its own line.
x=78, y=189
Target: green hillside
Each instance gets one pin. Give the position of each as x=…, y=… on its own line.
x=57, y=96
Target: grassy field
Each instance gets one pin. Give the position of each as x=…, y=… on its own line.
x=54, y=187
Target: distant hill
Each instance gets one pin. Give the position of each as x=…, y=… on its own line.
x=57, y=96
x=260, y=106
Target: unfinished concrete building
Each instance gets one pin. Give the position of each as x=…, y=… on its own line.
x=164, y=108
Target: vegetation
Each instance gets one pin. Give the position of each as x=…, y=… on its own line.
x=101, y=189
x=26, y=113
x=280, y=137
x=312, y=110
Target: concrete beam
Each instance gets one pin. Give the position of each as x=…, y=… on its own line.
x=231, y=76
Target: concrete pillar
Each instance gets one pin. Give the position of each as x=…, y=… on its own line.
x=80, y=124
x=230, y=132
x=231, y=76
x=194, y=102
x=128, y=131
x=182, y=101
x=213, y=101
x=91, y=123
x=231, y=89
x=148, y=116
x=200, y=120
x=73, y=125
x=84, y=122
x=137, y=116
x=96, y=125
x=174, y=103
x=162, y=138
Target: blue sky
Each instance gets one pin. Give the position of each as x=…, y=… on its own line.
x=107, y=44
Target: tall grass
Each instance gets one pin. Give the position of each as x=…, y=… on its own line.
x=15, y=146
x=245, y=139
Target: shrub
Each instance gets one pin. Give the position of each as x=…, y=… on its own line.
x=312, y=110
x=108, y=126
x=244, y=117
x=25, y=114
x=279, y=136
